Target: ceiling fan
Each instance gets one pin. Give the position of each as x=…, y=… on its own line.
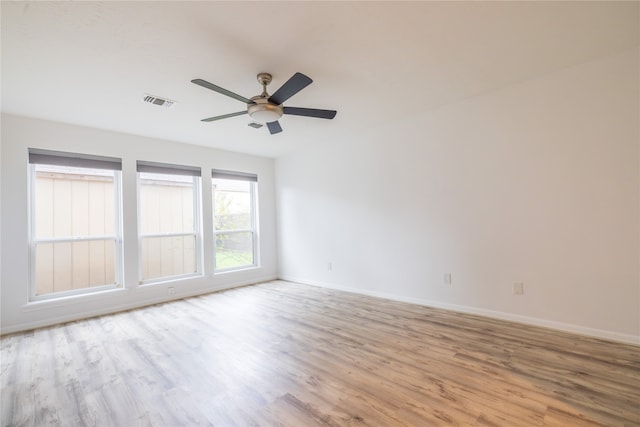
x=265, y=108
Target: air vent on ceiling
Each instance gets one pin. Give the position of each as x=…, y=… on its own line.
x=156, y=100
x=255, y=125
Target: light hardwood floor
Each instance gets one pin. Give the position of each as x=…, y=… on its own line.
x=283, y=354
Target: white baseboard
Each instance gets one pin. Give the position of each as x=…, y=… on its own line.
x=534, y=321
x=27, y=326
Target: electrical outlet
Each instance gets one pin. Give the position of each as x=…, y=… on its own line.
x=518, y=288
x=330, y=266
x=172, y=291
x=447, y=278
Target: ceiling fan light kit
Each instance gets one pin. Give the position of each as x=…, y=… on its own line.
x=264, y=112
x=266, y=109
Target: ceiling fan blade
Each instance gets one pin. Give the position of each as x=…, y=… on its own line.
x=310, y=112
x=223, y=91
x=292, y=86
x=224, y=116
x=274, y=127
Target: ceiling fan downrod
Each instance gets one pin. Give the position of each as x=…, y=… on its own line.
x=264, y=79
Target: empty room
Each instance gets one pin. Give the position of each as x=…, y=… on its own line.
x=320, y=213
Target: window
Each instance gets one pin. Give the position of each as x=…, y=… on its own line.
x=75, y=237
x=168, y=221
x=234, y=200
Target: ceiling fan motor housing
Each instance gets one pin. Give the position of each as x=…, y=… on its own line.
x=264, y=111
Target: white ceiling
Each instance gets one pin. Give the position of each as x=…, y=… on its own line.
x=90, y=63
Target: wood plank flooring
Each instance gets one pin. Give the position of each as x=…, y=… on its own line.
x=284, y=354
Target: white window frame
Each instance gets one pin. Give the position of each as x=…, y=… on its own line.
x=254, y=230
x=81, y=161
x=170, y=169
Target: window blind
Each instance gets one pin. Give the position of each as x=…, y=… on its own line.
x=239, y=176
x=167, y=168
x=57, y=158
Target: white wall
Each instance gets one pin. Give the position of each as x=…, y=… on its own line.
x=535, y=183
x=20, y=133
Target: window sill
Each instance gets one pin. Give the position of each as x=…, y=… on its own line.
x=69, y=299
x=171, y=279
x=236, y=270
